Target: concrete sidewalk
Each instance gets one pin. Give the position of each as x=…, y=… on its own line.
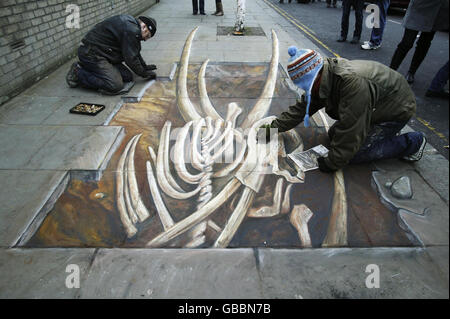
x=43, y=145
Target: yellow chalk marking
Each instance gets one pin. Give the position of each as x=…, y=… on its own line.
x=431, y=128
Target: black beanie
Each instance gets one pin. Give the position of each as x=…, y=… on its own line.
x=150, y=23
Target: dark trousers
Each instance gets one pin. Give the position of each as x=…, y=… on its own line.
x=98, y=73
x=382, y=142
x=195, y=4
x=346, y=7
x=407, y=42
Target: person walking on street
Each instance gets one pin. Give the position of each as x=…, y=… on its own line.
x=358, y=5
x=426, y=17
x=329, y=3
x=219, y=8
x=104, y=49
x=370, y=102
x=376, y=36
x=436, y=88
x=195, y=6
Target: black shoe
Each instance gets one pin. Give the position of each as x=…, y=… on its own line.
x=151, y=67
x=355, y=40
x=410, y=77
x=342, y=39
x=202, y=13
x=443, y=94
x=72, y=75
x=195, y=13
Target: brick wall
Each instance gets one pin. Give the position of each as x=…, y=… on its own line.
x=34, y=39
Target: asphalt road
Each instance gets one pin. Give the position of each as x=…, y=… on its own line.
x=323, y=26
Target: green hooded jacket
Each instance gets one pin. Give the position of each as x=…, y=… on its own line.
x=357, y=94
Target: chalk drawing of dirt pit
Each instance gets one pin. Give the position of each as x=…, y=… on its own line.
x=190, y=173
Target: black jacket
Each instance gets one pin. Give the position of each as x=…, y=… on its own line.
x=118, y=39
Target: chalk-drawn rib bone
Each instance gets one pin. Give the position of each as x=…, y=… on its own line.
x=163, y=169
x=161, y=209
x=120, y=189
x=217, y=126
x=179, y=160
x=136, y=200
x=197, y=159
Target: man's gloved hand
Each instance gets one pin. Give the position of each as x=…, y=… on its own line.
x=323, y=166
x=149, y=75
x=150, y=67
x=266, y=135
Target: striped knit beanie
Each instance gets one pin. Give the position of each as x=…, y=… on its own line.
x=303, y=67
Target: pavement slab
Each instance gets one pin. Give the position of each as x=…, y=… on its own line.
x=341, y=274
x=162, y=274
x=24, y=199
x=56, y=147
x=41, y=273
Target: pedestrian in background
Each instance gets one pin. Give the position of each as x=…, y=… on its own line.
x=329, y=3
x=377, y=33
x=358, y=5
x=426, y=17
x=219, y=8
x=195, y=6
x=436, y=88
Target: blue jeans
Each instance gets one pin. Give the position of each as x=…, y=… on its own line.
x=377, y=33
x=382, y=142
x=440, y=79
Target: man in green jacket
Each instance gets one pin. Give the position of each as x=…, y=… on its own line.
x=370, y=102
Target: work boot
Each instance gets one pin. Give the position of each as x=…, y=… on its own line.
x=72, y=75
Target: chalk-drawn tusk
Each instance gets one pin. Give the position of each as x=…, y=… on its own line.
x=185, y=105
x=161, y=209
x=128, y=205
x=205, y=102
x=300, y=217
x=265, y=99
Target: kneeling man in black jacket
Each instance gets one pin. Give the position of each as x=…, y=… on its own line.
x=105, y=47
